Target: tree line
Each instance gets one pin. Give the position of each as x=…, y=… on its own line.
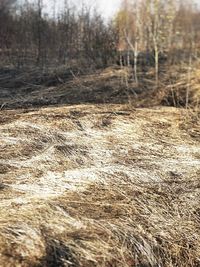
x=29, y=36
x=147, y=29
x=159, y=29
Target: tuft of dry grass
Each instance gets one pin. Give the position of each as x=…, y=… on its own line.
x=185, y=91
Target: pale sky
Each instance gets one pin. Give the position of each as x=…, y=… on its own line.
x=106, y=7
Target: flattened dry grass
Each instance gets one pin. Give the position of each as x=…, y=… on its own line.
x=107, y=186
x=121, y=223
x=139, y=224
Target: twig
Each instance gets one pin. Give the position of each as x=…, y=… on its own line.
x=3, y=105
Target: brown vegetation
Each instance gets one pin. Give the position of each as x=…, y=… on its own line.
x=99, y=186
x=111, y=85
x=99, y=163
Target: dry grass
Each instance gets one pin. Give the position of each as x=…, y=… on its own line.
x=185, y=89
x=178, y=86
x=63, y=86
x=99, y=185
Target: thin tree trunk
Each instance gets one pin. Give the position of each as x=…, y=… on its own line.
x=135, y=51
x=39, y=49
x=156, y=64
x=128, y=58
x=135, y=61
x=188, y=83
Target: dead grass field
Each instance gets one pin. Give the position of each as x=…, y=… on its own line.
x=99, y=185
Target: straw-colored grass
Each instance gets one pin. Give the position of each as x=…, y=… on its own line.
x=99, y=186
x=185, y=91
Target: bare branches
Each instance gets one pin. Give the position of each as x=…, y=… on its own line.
x=29, y=36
